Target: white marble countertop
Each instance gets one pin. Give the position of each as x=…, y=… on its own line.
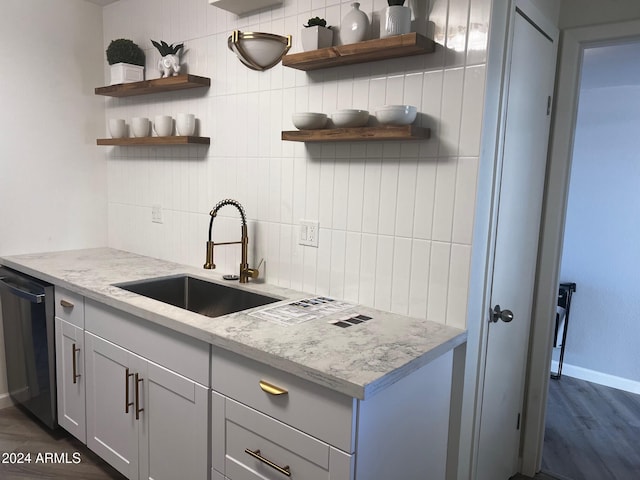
x=357, y=361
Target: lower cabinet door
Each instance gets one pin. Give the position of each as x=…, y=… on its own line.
x=174, y=434
x=112, y=428
x=259, y=447
x=70, y=379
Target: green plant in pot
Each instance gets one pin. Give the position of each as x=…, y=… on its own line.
x=316, y=34
x=396, y=19
x=126, y=59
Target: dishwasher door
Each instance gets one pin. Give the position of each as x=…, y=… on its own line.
x=29, y=340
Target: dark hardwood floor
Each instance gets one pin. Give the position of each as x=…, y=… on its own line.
x=20, y=435
x=592, y=432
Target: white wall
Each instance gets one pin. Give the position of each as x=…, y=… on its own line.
x=579, y=13
x=395, y=218
x=52, y=177
x=600, y=250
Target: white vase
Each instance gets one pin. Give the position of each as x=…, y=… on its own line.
x=396, y=21
x=316, y=37
x=354, y=26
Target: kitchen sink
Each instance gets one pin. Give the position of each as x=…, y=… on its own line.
x=206, y=298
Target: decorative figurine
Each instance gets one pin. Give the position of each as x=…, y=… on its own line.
x=169, y=63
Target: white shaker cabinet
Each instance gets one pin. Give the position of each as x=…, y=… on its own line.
x=70, y=378
x=267, y=424
x=146, y=421
x=69, y=321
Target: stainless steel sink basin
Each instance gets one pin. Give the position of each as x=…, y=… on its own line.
x=206, y=298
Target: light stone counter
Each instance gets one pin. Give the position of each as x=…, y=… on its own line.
x=357, y=361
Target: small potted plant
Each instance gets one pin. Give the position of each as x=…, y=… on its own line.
x=126, y=60
x=316, y=34
x=169, y=63
x=396, y=19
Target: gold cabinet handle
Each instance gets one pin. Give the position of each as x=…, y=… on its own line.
x=127, y=403
x=272, y=389
x=74, y=363
x=138, y=409
x=256, y=454
x=66, y=303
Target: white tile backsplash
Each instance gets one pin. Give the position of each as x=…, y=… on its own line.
x=395, y=217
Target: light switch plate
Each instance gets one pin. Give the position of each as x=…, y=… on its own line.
x=156, y=214
x=309, y=233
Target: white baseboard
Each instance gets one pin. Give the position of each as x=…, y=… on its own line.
x=5, y=401
x=597, y=377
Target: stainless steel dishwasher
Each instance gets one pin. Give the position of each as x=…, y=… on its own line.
x=29, y=341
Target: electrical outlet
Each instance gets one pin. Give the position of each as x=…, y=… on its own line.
x=156, y=214
x=309, y=232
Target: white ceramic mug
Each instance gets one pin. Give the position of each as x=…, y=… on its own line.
x=140, y=126
x=186, y=124
x=163, y=125
x=117, y=128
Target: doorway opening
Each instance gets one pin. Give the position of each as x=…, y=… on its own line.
x=593, y=411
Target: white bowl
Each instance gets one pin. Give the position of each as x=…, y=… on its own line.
x=350, y=118
x=396, y=114
x=309, y=120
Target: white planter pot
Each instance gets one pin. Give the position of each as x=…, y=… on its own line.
x=316, y=37
x=126, y=73
x=395, y=21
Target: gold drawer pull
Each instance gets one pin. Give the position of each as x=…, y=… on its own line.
x=272, y=389
x=66, y=303
x=256, y=454
x=76, y=375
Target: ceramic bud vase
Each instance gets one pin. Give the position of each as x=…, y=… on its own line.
x=396, y=21
x=354, y=26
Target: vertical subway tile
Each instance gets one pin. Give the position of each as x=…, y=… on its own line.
x=419, y=278
x=451, y=112
x=458, y=288
x=340, y=194
x=472, y=109
x=337, y=249
x=465, y=200
x=401, y=276
x=355, y=198
x=406, y=198
x=324, y=254
x=352, y=266
x=438, y=282
x=384, y=272
x=325, y=206
x=388, y=197
x=445, y=189
x=371, y=204
x=368, y=255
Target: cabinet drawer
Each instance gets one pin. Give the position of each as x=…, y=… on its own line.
x=69, y=306
x=185, y=355
x=276, y=448
x=316, y=410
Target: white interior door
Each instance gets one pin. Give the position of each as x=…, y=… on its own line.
x=525, y=134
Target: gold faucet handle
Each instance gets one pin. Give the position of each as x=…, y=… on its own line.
x=254, y=272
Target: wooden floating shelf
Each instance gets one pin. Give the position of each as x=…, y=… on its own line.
x=367, y=51
x=360, y=134
x=173, y=140
x=158, y=85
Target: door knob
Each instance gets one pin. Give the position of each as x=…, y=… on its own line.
x=499, y=314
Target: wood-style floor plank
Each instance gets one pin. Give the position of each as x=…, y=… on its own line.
x=21, y=434
x=592, y=432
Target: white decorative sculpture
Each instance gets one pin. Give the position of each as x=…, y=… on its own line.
x=169, y=65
